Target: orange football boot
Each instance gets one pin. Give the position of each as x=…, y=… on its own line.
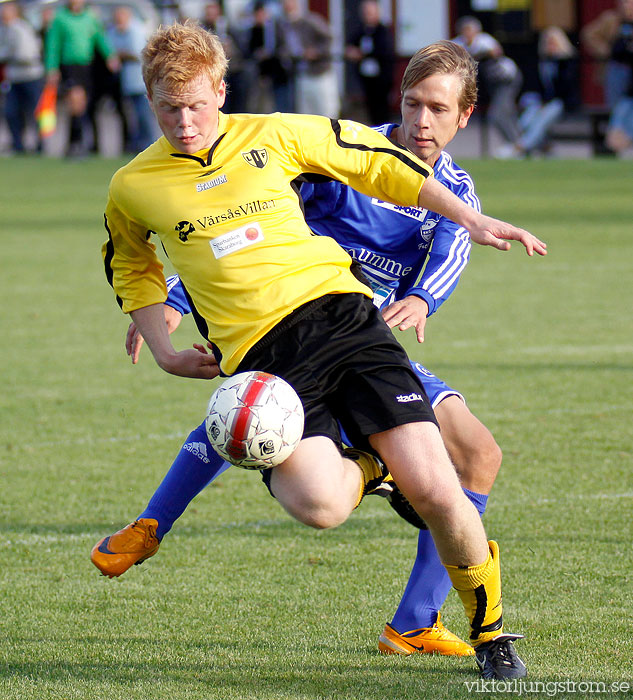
x=427, y=640
x=136, y=542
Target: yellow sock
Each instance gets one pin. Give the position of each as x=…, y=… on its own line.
x=479, y=588
x=370, y=468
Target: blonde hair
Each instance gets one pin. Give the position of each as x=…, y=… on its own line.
x=563, y=48
x=445, y=58
x=179, y=53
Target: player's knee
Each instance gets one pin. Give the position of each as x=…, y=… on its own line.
x=488, y=457
x=320, y=510
x=434, y=502
x=322, y=516
x=478, y=463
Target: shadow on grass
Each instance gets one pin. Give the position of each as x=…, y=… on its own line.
x=245, y=671
x=281, y=528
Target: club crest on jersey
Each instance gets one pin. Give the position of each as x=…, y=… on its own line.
x=427, y=230
x=257, y=157
x=184, y=229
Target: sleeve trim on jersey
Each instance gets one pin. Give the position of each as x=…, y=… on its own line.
x=107, y=260
x=400, y=155
x=201, y=324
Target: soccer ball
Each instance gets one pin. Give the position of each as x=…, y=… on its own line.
x=254, y=420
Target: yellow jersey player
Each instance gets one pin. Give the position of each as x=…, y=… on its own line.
x=218, y=192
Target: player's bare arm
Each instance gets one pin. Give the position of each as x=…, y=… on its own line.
x=410, y=312
x=134, y=340
x=483, y=229
x=150, y=321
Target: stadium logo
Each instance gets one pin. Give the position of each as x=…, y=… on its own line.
x=184, y=229
x=258, y=157
x=407, y=398
x=209, y=184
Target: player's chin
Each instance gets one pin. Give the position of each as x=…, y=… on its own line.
x=189, y=144
x=424, y=148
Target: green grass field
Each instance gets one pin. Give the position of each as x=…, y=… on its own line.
x=242, y=603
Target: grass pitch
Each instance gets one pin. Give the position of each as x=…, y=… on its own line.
x=242, y=603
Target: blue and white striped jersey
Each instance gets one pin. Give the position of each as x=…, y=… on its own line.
x=403, y=250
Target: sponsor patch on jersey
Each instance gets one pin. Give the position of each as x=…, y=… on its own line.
x=411, y=212
x=236, y=240
x=209, y=184
x=184, y=229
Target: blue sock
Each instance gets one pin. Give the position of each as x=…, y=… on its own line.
x=196, y=466
x=428, y=583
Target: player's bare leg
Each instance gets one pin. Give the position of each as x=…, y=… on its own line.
x=418, y=461
x=471, y=446
x=316, y=484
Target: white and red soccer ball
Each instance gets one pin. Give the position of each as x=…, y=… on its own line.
x=254, y=420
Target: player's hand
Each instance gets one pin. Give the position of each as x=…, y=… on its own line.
x=196, y=364
x=406, y=313
x=203, y=350
x=134, y=340
x=497, y=233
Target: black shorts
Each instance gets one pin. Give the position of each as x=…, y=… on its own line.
x=73, y=75
x=345, y=364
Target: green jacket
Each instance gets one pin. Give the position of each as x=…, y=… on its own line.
x=73, y=39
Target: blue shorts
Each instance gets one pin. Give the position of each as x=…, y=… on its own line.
x=435, y=388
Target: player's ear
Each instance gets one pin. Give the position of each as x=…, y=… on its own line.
x=221, y=94
x=465, y=116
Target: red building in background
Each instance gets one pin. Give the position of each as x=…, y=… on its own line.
x=515, y=23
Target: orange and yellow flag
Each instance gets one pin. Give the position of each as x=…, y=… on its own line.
x=46, y=110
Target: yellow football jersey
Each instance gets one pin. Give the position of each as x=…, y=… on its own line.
x=229, y=218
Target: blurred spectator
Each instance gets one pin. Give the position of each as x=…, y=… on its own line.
x=74, y=37
x=46, y=17
x=600, y=37
x=127, y=37
x=308, y=39
x=20, y=51
x=106, y=88
x=236, y=78
x=267, y=47
x=619, y=136
x=558, y=78
x=500, y=79
x=371, y=49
